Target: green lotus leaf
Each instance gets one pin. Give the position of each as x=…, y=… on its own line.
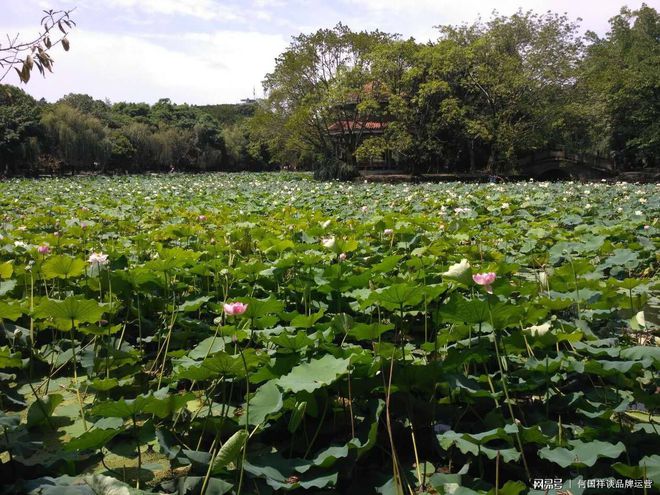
x=315, y=374
x=307, y=321
x=364, y=331
x=642, y=353
x=229, y=451
x=104, y=384
x=193, y=304
x=6, y=269
x=6, y=286
x=9, y=359
x=267, y=400
x=461, y=310
x=582, y=453
x=648, y=468
x=10, y=311
x=63, y=266
x=388, y=264
x=194, y=484
x=71, y=309
x=161, y=403
x=42, y=409
x=207, y=347
x=93, y=439
x=261, y=307
x=397, y=296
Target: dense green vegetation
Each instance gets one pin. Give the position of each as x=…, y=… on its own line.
x=79, y=134
x=396, y=339
x=479, y=98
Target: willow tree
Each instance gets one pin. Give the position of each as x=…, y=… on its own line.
x=79, y=140
x=20, y=130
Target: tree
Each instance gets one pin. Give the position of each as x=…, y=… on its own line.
x=416, y=109
x=315, y=92
x=622, y=80
x=20, y=131
x=78, y=139
x=36, y=52
x=87, y=104
x=511, y=76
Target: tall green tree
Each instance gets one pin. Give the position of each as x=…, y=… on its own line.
x=621, y=74
x=511, y=75
x=315, y=90
x=20, y=131
x=78, y=139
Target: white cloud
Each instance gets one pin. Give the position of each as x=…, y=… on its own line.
x=416, y=17
x=211, y=51
x=216, y=67
x=202, y=9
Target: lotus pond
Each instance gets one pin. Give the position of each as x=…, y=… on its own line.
x=259, y=334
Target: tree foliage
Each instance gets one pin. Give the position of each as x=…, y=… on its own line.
x=79, y=134
x=20, y=129
x=622, y=79
x=478, y=98
x=309, y=88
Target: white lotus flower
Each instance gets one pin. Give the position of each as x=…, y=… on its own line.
x=328, y=242
x=98, y=259
x=538, y=330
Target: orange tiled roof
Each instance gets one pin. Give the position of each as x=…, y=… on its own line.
x=356, y=125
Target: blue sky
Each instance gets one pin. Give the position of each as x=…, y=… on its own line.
x=217, y=51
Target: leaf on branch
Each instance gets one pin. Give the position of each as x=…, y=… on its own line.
x=65, y=44
x=25, y=73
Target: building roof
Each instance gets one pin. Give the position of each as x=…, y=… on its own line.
x=352, y=125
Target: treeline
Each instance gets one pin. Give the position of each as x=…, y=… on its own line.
x=478, y=98
x=79, y=134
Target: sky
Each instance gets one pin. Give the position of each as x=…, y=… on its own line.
x=218, y=51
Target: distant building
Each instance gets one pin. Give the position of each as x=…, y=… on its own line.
x=350, y=132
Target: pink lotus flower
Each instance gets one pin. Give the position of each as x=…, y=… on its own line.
x=485, y=279
x=43, y=249
x=342, y=257
x=235, y=308
x=201, y=218
x=388, y=232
